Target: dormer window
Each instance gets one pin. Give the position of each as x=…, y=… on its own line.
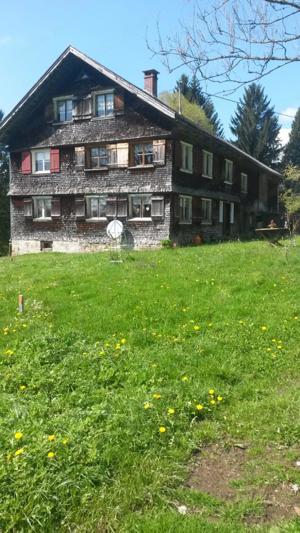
x=64, y=109
x=104, y=104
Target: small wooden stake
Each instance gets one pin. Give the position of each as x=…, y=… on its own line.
x=21, y=303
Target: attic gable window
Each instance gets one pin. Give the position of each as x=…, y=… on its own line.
x=104, y=104
x=63, y=109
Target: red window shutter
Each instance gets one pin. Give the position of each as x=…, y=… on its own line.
x=26, y=163
x=54, y=160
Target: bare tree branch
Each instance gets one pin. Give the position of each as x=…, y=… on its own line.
x=234, y=42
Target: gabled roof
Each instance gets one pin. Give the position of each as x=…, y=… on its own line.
x=130, y=87
x=143, y=95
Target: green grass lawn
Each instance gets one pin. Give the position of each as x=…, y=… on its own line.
x=105, y=380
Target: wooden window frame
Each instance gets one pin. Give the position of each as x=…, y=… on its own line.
x=35, y=201
x=56, y=101
x=206, y=201
x=228, y=164
x=143, y=196
x=186, y=156
x=182, y=200
x=244, y=179
x=34, y=154
x=88, y=199
x=207, y=157
x=95, y=106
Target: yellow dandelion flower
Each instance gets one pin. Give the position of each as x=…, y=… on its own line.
x=296, y=317
x=219, y=398
x=65, y=441
x=162, y=429
x=123, y=341
x=184, y=378
x=9, y=352
x=171, y=411
x=22, y=387
x=156, y=396
x=212, y=402
x=147, y=405
x=199, y=407
x=118, y=346
x=51, y=438
x=19, y=452
x=50, y=455
x=18, y=435
x=211, y=392
x=264, y=328
x=196, y=328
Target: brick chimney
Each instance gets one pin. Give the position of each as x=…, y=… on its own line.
x=150, y=81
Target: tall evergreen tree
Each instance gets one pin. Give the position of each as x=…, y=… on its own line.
x=256, y=126
x=292, y=149
x=192, y=90
x=4, y=201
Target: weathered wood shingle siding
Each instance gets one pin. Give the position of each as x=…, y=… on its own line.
x=71, y=180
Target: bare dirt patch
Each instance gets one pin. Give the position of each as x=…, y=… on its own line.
x=234, y=474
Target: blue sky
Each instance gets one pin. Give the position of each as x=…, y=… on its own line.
x=34, y=33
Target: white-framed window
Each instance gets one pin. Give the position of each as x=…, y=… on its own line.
x=139, y=205
x=41, y=161
x=64, y=109
x=42, y=207
x=206, y=209
x=96, y=206
x=228, y=171
x=104, y=104
x=185, y=209
x=143, y=154
x=207, y=164
x=244, y=182
x=186, y=157
x=103, y=156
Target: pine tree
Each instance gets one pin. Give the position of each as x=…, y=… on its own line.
x=292, y=148
x=4, y=201
x=256, y=126
x=192, y=90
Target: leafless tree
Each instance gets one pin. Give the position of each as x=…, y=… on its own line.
x=234, y=42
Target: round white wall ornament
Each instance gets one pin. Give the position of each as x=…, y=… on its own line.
x=114, y=229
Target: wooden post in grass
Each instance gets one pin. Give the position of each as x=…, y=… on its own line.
x=21, y=303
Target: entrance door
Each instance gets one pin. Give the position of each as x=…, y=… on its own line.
x=226, y=219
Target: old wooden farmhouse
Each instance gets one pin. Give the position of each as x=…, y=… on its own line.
x=87, y=146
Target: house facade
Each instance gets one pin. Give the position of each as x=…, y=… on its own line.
x=86, y=147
